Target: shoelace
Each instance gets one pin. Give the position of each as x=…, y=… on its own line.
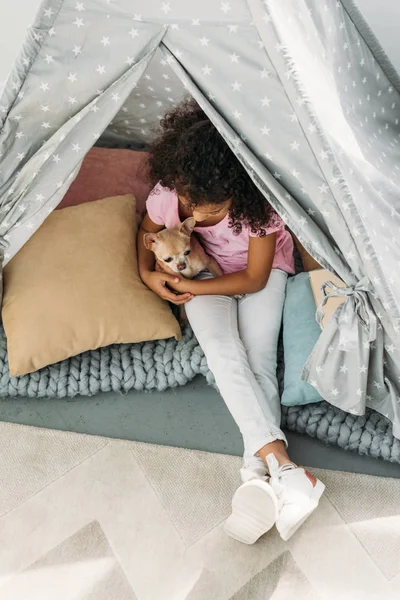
x=277, y=473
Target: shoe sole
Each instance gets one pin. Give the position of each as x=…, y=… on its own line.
x=317, y=492
x=254, y=512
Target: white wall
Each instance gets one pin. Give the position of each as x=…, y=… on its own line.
x=383, y=17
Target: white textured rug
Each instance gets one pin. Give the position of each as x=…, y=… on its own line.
x=88, y=518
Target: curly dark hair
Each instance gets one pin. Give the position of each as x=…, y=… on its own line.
x=189, y=155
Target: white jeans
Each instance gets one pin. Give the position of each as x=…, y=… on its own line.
x=239, y=339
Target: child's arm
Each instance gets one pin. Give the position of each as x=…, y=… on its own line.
x=252, y=279
x=153, y=279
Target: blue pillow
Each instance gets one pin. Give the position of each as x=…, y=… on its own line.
x=300, y=334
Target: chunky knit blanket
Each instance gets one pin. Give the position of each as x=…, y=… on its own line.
x=164, y=364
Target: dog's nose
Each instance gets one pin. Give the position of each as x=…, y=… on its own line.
x=181, y=266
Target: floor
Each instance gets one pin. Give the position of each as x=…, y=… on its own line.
x=91, y=518
x=193, y=417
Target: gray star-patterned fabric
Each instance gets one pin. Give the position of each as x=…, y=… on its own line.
x=298, y=95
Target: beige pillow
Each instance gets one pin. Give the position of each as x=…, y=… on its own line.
x=317, y=280
x=75, y=286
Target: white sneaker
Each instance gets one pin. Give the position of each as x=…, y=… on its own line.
x=254, y=511
x=298, y=493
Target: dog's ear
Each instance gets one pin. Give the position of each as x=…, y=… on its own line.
x=187, y=226
x=149, y=239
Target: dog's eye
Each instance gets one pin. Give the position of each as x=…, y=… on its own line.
x=169, y=259
x=186, y=253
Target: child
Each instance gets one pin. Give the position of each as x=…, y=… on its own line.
x=236, y=317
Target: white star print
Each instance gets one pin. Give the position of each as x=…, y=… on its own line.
x=294, y=146
x=45, y=125
x=116, y=97
x=295, y=173
x=303, y=221
x=52, y=32
x=72, y=77
x=266, y=101
x=130, y=60
x=72, y=100
x=80, y=6
x=166, y=8
x=19, y=135
x=344, y=369
x=56, y=158
x=44, y=108
x=78, y=22
x=105, y=41
x=20, y=156
x=264, y=74
x=335, y=392
x=319, y=369
x=39, y=197
x=204, y=41
x=225, y=7
x=48, y=12
x=76, y=147
x=311, y=212
x=363, y=369
x=77, y=50
x=206, y=70
x=94, y=108
x=237, y=114
x=232, y=28
x=44, y=86
x=234, y=57
x=101, y=69
x=195, y=22
x=377, y=385
x=236, y=86
x=390, y=348
x=265, y=130
x=134, y=33
x=49, y=59
x=323, y=188
x=359, y=392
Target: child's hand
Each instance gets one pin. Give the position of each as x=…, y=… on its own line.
x=157, y=282
x=181, y=285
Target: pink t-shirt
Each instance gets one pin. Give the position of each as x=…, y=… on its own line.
x=219, y=241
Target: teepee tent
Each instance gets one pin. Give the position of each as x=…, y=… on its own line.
x=299, y=96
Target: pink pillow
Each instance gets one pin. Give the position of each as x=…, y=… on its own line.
x=107, y=172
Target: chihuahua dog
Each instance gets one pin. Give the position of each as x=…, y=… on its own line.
x=177, y=251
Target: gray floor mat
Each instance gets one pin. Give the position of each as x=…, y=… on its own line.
x=193, y=416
